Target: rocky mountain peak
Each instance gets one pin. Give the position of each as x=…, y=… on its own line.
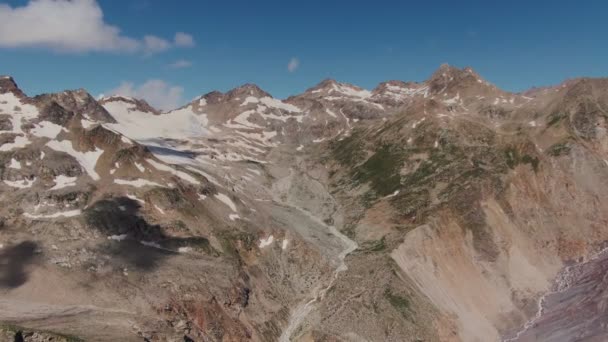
x=77, y=101
x=8, y=84
x=326, y=83
x=135, y=104
x=212, y=97
x=333, y=88
x=450, y=79
x=395, y=92
x=245, y=90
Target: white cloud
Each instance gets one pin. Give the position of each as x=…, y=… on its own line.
x=293, y=64
x=157, y=93
x=154, y=44
x=180, y=64
x=73, y=26
x=183, y=40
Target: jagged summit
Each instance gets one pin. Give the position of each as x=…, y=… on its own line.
x=448, y=79
x=78, y=101
x=8, y=84
x=326, y=83
x=137, y=104
x=332, y=88
x=248, y=89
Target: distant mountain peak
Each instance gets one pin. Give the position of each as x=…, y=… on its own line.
x=139, y=104
x=332, y=87
x=449, y=78
x=247, y=89
x=8, y=85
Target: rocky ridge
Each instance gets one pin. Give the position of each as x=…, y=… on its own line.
x=436, y=211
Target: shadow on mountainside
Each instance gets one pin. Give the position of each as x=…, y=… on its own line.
x=136, y=241
x=14, y=261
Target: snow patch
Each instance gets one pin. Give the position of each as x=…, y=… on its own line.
x=227, y=201
x=46, y=129
x=151, y=244
x=140, y=167
x=15, y=164
x=19, y=142
x=162, y=167
x=266, y=242
x=138, y=183
x=62, y=181
x=22, y=184
x=178, y=124
x=70, y=213
x=88, y=160
x=328, y=111
x=120, y=237
x=135, y=198
x=393, y=194
x=416, y=123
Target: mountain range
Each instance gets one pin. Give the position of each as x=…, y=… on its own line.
x=445, y=210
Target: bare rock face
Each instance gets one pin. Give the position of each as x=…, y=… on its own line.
x=445, y=210
x=76, y=101
x=7, y=84
x=136, y=104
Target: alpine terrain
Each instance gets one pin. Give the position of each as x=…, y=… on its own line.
x=446, y=210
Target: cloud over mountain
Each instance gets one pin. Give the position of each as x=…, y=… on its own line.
x=158, y=93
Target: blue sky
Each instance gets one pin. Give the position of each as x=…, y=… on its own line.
x=514, y=44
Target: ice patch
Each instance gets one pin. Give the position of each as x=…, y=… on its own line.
x=178, y=124
x=159, y=209
x=233, y=217
x=284, y=245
